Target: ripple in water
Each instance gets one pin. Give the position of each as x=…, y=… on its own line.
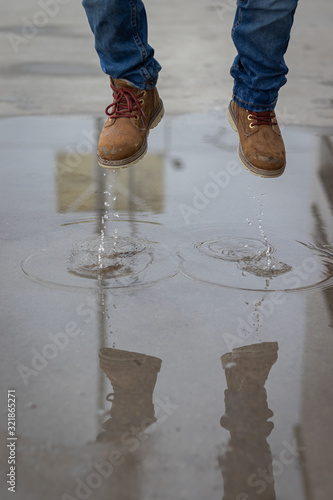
x=233, y=249
x=248, y=263
x=77, y=260
x=250, y=254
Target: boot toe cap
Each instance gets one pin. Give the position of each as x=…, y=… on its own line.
x=118, y=147
x=268, y=161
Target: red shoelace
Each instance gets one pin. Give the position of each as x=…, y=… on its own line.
x=125, y=104
x=262, y=118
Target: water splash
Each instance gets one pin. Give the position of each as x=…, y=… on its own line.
x=250, y=255
x=110, y=199
x=265, y=264
x=105, y=260
x=101, y=248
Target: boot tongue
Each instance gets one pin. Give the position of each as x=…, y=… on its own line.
x=122, y=84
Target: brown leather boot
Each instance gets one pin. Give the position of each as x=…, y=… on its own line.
x=261, y=149
x=123, y=140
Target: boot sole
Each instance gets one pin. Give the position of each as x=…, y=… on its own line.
x=242, y=158
x=127, y=162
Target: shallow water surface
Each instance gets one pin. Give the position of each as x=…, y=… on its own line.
x=167, y=327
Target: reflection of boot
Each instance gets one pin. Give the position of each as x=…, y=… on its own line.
x=247, y=464
x=133, y=378
x=251, y=364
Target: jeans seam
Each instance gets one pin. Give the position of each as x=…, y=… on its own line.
x=136, y=36
x=147, y=76
x=238, y=21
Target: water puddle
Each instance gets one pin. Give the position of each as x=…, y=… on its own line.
x=105, y=238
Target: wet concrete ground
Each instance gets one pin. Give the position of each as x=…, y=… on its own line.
x=146, y=284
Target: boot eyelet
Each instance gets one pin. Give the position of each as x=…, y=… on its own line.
x=251, y=125
x=249, y=117
x=136, y=117
x=144, y=93
x=141, y=101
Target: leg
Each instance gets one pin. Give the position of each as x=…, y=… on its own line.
x=121, y=40
x=261, y=33
x=120, y=29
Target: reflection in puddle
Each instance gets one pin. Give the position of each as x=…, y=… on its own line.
x=133, y=377
x=247, y=464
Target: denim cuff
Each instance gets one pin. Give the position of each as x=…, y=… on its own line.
x=141, y=78
x=254, y=100
x=137, y=84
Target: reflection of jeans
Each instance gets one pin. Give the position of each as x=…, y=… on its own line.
x=120, y=29
x=260, y=32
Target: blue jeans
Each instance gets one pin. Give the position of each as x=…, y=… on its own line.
x=260, y=32
x=120, y=29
